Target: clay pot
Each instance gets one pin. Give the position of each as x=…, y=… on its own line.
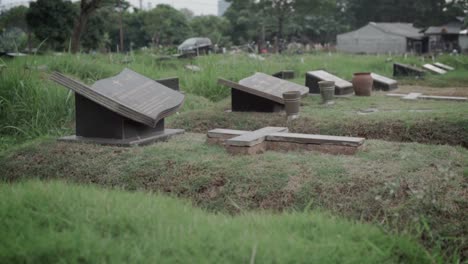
x=292, y=101
x=327, y=90
x=362, y=83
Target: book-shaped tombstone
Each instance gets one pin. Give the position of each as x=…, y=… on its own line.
x=260, y=93
x=342, y=87
x=383, y=83
x=125, y=110
x=400, y=69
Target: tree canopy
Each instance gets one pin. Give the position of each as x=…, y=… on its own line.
x=95, y=24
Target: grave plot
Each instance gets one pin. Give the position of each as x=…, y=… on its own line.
x=260, y=93
x=342, y=87
x=125, y=110
x=383, y=83
x=444, y=66
x=285, y=75
x=416, y=96
x=278, y=139
x=400, y=69
x=434, y=69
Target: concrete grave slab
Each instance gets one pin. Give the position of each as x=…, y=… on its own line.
x=278, y=139
x=260, y=93
x=434, y=69
x=400, y=69
x=444, y=66
x=415, y=96
x=383, y=83
x=124, y=110
x=342, y=87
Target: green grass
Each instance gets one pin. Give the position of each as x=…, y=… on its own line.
x=408, y=187
x=32, y=106
x=58, y=223
x=396, y=120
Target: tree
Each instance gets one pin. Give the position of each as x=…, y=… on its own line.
x=213, y=27
x=87, y=7
x=13, y=20
x=51, y=20
x=189, y=15
x=245, y=20
x=166, y=25
x=281, y=10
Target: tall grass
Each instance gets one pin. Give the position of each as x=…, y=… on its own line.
x=54, y=222
x=30, y=105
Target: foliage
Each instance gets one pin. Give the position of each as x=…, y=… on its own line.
x=12, y=40
x=52, y=20
x=166, y=25
x=422, y=13
x=213, y=27
x=13, y=29
x=14, y=17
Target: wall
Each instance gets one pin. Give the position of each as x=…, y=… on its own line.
x=463, y=43
x=372, y=41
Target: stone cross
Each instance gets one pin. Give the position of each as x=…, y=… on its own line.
x=416, y=96
x=278, y=138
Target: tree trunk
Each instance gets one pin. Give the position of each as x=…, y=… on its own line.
x=80, y=24
x=279, y=34
x=29, y=42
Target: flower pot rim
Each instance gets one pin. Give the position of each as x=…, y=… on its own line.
x=326, y=82
x=362, y=73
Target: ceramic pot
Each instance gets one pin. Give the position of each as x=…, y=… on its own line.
x=327, y=90
x=292, y=101
x=362, y=83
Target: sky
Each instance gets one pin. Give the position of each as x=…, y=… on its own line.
x=199, y=7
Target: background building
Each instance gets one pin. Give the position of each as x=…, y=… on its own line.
x=222, y=7
x=448, y=37
x=374, y=38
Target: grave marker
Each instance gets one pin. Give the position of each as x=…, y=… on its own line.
x=285, y=75
x=400, y=69
x=278, y=138
x=260, y=93
x=444, y=66
x=172, y=82
x=127, y=109
x=342, y=87
x=434, y=69
x=415, y=96
x=383, y=83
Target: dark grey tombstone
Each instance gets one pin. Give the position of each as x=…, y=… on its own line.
x=400, y=69
x=383, y=83
x=128, y=109
x=285, y=75
x=172, y=83
x=260, y=93
x=342, y=87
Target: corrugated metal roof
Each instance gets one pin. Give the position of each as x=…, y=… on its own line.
x=401, y=29
x=450, y=28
